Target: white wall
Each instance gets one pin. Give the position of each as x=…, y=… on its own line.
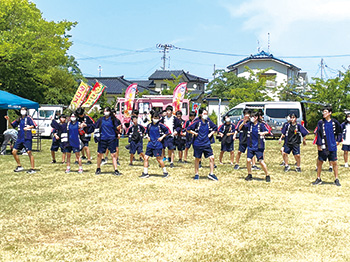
x=214, y=106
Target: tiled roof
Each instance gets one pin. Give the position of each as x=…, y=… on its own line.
x=117, y=85
x=261, y=56
x=167, y=74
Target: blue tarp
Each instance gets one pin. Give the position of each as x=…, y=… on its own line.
x=11, y=101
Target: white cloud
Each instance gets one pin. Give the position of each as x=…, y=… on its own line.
x=278, y=16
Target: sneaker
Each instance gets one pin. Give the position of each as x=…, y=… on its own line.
x=103, y=162
x=117, y=173
x=88, y=162
x=131, y=164
x=298, y=169
x=249, y=177
x=98, y=171
x=255, y=168
x=318, y=181
x=31, y=171
x=18, y=169
x=169, y=159
x=346, y=165
x=283, y=164
x=171, y=165
x=67, y=171
x=2, y=153
x=200, y=165
x=24, y=154
x=144, y=175
x=221, y=163
x=268, y=179
x=53, y=162
x=236, y=167
x=336, y=182
x=330, y=169
x=106, y=159
x=80, y=171
x=83, y=157
x=118, y=164
x=186, y=162
x=213, y=177
x=180, y=161
x=215, y=166
x=286, y=168
x=165, y=174
x=76, y=163
x=141, y=159
x=196, y=177
x=164, y=159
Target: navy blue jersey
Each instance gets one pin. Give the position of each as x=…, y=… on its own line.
x=328, y=134
x=107, y=128
x=203, y=129
x=255, y=141
x=21, y=124
x=155, y=131
x=224, y=128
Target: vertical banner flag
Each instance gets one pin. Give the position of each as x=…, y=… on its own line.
x=178, y=96
x=80, y=95
x=94, y=95
x=195, y=107
x=129, y=99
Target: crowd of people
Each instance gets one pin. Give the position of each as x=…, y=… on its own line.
x=168, y=131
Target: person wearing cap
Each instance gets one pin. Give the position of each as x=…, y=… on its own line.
x=25, y=125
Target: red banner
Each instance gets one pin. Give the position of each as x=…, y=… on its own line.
x=178, y=96
x=129, y=99
x=94, y=95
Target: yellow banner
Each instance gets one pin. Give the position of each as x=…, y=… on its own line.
x=79, y=96
x=94, y=95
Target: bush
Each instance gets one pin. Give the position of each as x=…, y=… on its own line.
x=213, y=117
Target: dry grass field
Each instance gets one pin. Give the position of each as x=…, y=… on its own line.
x=53, y=216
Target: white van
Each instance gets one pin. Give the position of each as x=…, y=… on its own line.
x=44, y=116
x=275, y=113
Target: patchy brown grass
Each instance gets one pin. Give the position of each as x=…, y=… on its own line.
x=53, y=216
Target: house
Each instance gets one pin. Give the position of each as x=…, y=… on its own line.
x=282, y=71
x=218, y=106
x=116, y=86
x=194, y=83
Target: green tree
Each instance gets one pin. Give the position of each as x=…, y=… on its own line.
x=33, y=54
x=171, y=84
x=240, y=89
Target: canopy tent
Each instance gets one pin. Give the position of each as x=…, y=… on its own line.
x=11, y=101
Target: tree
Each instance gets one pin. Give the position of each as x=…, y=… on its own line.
x=171, y=84
x=239, y=89
x=33, y=54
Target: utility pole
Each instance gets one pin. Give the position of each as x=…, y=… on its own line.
x=322, y=68
x=166, y=48
x=99, y=71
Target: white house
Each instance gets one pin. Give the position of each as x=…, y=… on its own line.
x=283, y=71
x=219, y=106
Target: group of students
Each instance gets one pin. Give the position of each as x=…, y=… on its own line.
x=170, y=132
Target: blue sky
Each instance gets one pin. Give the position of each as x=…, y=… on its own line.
x=121, y=36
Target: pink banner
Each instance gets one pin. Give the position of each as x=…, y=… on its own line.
x=178, y=96
x=129, y=99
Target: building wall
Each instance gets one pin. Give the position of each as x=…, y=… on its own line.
x=190, y=85
x=213, y=105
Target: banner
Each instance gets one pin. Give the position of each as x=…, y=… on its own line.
x=178, y=96
x=94, y=95
x=80, y=95
x=195, y=107
x=129, y=99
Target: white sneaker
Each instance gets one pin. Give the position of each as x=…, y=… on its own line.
x=346, y=165
x=67, y=170
x=80, y=171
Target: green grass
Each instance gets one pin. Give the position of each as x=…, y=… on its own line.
x=53, y=216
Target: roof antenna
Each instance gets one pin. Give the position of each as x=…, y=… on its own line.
x=258, y=46
x=268, y=43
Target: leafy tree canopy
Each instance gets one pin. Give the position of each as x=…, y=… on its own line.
x=33, y=54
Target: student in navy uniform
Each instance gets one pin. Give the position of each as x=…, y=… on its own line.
x=180, y=136
x=345, y=126
x=85, y=135
x=256, y=144
x=189, y=137
x=243, y=132
x=281, y=139
x=329, y=134
x=292, y=134
x=135, y=133
x=155, y=132
x=173, y=123
x=25, y=125
x=106, y=133
x=56, y=142
x=203, y=130
x=70, y=139
x=226, y=132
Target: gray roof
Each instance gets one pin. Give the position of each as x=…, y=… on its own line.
x=117, y=85
x=167, y=74
x=261, y=56
x=197, y=94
